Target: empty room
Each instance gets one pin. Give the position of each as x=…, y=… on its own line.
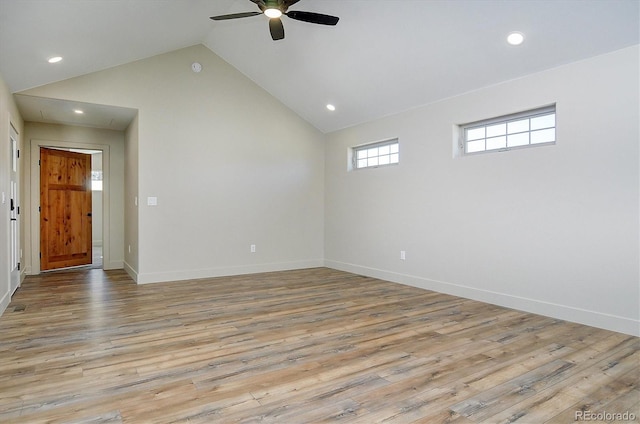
x=308, y=211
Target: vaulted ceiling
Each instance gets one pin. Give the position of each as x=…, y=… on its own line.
x=383, y=57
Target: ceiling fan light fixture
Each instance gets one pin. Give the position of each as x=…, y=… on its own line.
x=273, y=13
x=515, y=38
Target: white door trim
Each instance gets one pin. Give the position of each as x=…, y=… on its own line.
x=35, y=197
x=14, y=215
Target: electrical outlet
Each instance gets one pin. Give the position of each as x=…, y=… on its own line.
x=403, y=255
x=253, y=248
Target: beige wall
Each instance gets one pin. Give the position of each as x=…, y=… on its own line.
x=553, y=230
x=131, y=198
x=9, y=115
x=40, y=134
x=230, y=167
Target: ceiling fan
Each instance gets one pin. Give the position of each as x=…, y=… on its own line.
x=274, y=9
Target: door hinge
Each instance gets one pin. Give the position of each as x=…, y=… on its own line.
x=18, y=266
x=40, y=255
x=18, y=154
x=38, y=162
x=18, y=210
x=39, y=210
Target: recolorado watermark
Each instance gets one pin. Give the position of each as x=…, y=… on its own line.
x=604, y=416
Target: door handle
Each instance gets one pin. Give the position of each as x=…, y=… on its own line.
x=14, y=219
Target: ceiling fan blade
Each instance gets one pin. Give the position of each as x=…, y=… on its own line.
x=288, y=3
x=235, y=16
x=276, y=28
x=311, y=17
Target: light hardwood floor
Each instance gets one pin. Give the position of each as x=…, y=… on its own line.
x=306, y=346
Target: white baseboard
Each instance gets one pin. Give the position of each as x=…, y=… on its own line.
x=113, y=265
x=567, y=313
x=159, y=277
x=4, y=302
x=129, y=270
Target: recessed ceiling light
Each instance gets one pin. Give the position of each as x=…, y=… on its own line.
x=331, y=107
x=273, y=13
x=78, y=111
x=55, y=59
x=515, y=38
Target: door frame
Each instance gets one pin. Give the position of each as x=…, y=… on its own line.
x=35, y=197
x=15, y=280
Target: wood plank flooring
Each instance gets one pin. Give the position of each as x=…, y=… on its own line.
x=308, y=346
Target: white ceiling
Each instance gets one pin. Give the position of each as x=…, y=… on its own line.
x=383, y=57
x=56, y=111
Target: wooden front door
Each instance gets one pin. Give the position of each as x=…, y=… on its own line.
x=65, y=209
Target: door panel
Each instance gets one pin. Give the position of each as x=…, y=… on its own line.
x=65, y=202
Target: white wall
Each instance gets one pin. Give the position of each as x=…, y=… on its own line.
x=40, y=134
x=230, y=167
x=8, y=115
x=552, y=230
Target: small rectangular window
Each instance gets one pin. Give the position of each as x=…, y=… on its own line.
x=530, y=128
x=376, y=154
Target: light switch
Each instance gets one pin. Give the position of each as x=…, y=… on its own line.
x=152, y=201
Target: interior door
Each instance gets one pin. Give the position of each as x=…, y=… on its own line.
x=14, y=214
x=65, y=209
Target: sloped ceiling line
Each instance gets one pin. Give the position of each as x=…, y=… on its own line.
x=383, y=57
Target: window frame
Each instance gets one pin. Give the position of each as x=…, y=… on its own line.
x=377, y=144
x=506, y=119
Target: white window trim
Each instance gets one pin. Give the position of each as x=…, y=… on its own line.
x=356, y=149
x=532, y=113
